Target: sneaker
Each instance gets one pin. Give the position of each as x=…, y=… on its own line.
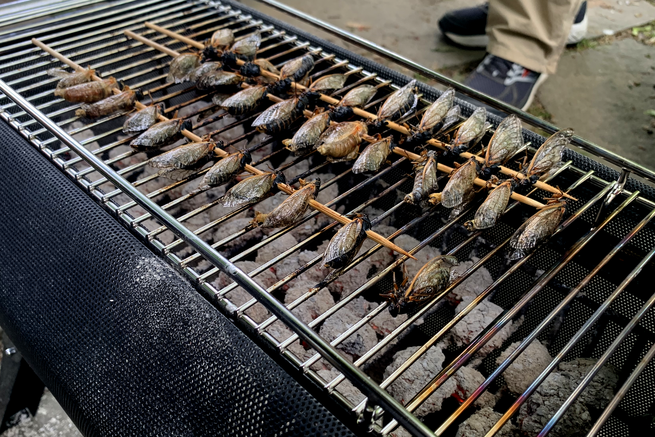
x=466, y=27
x=506, y=81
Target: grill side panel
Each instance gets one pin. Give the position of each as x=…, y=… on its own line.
x=125, y=344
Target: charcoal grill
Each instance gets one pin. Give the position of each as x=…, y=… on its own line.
x=585, y=294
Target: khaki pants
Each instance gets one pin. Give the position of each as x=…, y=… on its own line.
x=531, y=33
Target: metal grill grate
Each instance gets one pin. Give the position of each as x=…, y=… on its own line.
x=285, y=259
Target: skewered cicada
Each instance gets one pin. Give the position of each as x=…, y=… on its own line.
x=433, y=277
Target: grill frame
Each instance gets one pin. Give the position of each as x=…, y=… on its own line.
x=120, y=212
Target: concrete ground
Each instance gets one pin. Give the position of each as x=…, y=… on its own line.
x=603, y=88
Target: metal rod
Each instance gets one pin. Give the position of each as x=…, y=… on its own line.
x=578, y=335
x=283, y=187
x=359, y=379
x=606, y=355
x=504, y=318
x=607, y=412
x=544, y=323
x=529, y=118
x=370, y=116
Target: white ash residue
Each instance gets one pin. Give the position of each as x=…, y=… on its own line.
x=468, y=380
x=348, y=390
x=481, y=422
x=526, y=367
x=412, y=380
x=549, y=396
x=546, y=400
x=600, y=390
x=311, y=308
x=356, y=344
x=475, y=322
x=275, y=247
x=475, y=284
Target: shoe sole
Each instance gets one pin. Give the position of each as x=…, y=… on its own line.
x=578, y=31
x=576, y=34
x=470, y=41
x=537, y=84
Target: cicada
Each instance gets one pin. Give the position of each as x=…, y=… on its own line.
x=297, y=69
x=536, y=229
x=218, y=43
x=401, y=102
x=89, y=92
x=292, y=209
x=340, y=141
x=218, y=79
x=433, y=117
x=226, y=169
x=373, y=156
x=471, y=131
x=281, y=115
x=345, y=244
x=161, y=134
x=549, y=156
x=505, y=143
x=181, y=66
x=330, y=82
x=123, y=101
x=252, y=189
x=143, y=119
x=181, y=161
x=308, y=134
x=245, y=49
x=433, y=277
x=492, y=208
x=203, y=69
x=67, y=79
x=425, y=181
x=358, y=96
x=244, y=101
x=460, y=188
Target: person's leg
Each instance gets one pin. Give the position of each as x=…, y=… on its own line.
x=530, y=33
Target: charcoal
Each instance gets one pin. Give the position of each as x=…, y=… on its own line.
x=313, y=307
x=481, y=422
x=265, y=278
x=412, y=380
x=526, y=367
x=546, y=400
x=275, y=247
x=359, y=342
x=550, y=395
x=475, y=322
x=240, y=243
x=468, y=380
x=475, y=284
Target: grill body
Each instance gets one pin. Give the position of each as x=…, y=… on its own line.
x=94, y=36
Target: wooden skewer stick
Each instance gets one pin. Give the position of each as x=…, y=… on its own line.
x=331, y=100
x=413, y=156
x=283, y=187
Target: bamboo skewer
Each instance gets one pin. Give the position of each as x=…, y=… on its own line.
x=282, y=187
x=331, y=100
